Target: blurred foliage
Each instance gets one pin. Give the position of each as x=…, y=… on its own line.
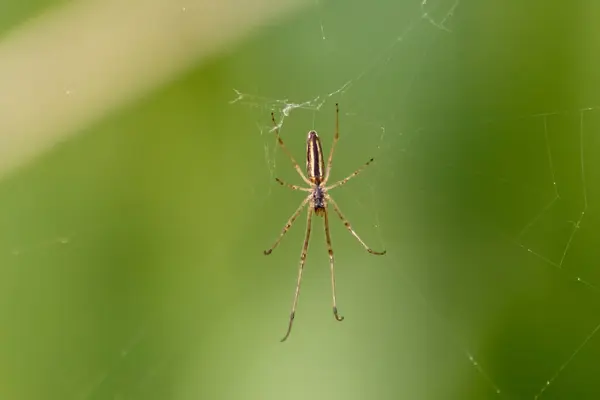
x=132, y=254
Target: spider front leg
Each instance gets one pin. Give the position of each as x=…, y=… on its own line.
x=349, y=227
x=300, y=270
x=331, y=267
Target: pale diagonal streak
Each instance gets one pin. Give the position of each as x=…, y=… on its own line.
x=67, y=68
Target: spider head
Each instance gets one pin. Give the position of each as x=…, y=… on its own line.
x=318, y=200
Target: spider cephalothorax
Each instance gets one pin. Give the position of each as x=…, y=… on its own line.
x=318, y=199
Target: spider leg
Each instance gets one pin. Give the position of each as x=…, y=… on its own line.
x=331, y=267
x=280, y=141
x=336, y=137
x=349, y=227
x=301, y=268
x=288, y=225
x=293, y=187
x=352, y=175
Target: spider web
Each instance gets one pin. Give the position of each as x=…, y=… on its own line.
x=485, y=204
x=523, y=214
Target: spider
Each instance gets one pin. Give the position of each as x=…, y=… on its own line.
x=318, y=199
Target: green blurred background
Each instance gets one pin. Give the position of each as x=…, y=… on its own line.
x=131, y=255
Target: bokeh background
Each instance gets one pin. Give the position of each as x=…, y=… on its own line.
x=131, y=251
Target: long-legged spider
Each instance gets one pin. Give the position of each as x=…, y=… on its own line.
x=318, y=199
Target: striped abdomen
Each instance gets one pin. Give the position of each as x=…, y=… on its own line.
x=315, y=167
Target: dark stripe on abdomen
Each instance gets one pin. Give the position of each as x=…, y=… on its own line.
x=314, y=154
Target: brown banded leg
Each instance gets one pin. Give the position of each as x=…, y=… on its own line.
x=288, y=225
x=336, y=137
x=358, y=171
x=331, y=267
x=300, y=270
x=349, y=227
x=293, y=187
x=280, y=141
